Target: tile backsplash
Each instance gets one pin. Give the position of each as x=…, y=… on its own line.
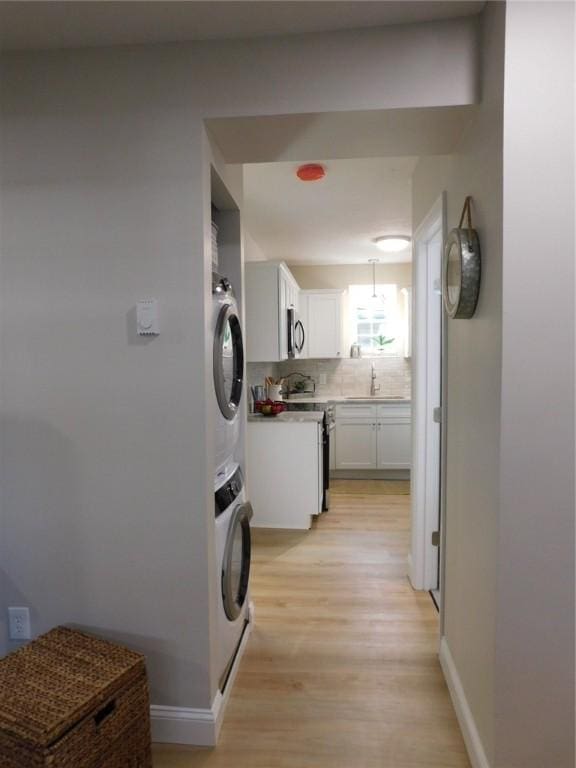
x=348, y=377
x=256, y=373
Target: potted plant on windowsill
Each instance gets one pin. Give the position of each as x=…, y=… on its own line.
x=382, y=342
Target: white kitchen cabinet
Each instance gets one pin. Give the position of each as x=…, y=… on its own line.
x=284, y=472
x=394, y=445
x=356, y=444
x=323, y=316
x=270, y=289
x=373, y=436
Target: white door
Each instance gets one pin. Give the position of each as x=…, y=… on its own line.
x=426, y=473
x=394, y=444
x=355, y=444
x=324, y=325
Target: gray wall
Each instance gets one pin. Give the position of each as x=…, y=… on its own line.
x=473, y=388
x=535, y=626
x=509, y=603
x=101, y=514
x=106, y=452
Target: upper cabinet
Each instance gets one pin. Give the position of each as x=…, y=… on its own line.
x=270, y=292
x=313, y=328
x=323, y=315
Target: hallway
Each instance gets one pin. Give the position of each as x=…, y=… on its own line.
x=341, y=669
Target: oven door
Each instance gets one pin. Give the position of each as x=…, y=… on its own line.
x=327, y=436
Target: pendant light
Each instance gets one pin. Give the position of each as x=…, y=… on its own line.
x=373, y=262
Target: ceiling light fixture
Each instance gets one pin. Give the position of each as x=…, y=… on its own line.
x=311, y=172
x=392, y=243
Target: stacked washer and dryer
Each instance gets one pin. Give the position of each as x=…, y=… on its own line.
x=233, y=512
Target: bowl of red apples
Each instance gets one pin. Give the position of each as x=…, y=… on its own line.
x=269, y=407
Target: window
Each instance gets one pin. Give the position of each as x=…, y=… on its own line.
x=375, y=321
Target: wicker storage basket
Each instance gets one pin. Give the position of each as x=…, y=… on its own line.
x=70, y=700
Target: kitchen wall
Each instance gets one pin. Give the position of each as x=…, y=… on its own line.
x=256, y=373
x=105, y=462
x=343, y=275
x=352, y=376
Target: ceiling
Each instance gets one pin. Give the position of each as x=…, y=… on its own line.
x=81, y=23
x=331, y=221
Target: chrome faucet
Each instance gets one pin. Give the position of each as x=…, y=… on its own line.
x=373, y=386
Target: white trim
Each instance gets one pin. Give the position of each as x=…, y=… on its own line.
x=184, y=725
x=197, y=727
x=468, y=727
x=426, y=395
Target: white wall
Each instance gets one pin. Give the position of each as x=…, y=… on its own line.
x=107, y=450
x=473, y=398
x=509, y=602
x=100, y=509
x=535, y=608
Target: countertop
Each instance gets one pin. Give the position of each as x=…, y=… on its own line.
x=343, y=399
x=289, y=416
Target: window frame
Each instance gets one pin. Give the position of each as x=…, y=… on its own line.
x=391, y=293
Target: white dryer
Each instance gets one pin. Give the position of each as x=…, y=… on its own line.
x=228, y=368
x=233, y=552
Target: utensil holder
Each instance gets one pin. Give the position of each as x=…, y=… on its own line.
x=275, y=392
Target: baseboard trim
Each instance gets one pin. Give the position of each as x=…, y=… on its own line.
x=184, y=725
x=196, y=727
x=470, y=733
x=370, y=474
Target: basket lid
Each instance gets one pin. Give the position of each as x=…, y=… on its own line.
x=52, y=683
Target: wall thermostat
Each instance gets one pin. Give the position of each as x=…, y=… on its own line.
x=147, y=317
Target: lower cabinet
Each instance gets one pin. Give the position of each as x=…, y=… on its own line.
x=356, y=444
x=284, y=471
x=380, y=438
x=394, y=447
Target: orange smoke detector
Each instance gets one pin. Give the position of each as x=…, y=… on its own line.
x=311, y=172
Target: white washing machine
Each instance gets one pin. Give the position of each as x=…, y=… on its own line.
x=228, y=367
x=233, y=552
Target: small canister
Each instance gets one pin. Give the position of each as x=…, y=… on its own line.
x=355, y=350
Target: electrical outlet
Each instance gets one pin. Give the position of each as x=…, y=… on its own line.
x=323, y=380
x=19, y=623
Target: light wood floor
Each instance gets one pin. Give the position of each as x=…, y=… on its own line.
x=341, y=670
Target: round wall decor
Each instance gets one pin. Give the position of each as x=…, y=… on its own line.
x=461, y=269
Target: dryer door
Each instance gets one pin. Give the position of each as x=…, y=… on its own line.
x=236, y=562
x=228, y=361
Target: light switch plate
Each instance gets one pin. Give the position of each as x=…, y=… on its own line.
x=147, y=317
x=19, y=623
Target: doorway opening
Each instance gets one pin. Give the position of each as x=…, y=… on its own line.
x=343, y=588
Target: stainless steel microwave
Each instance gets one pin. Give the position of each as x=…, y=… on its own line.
x=296, y=334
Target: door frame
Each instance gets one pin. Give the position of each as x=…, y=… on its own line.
x=428, y=393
